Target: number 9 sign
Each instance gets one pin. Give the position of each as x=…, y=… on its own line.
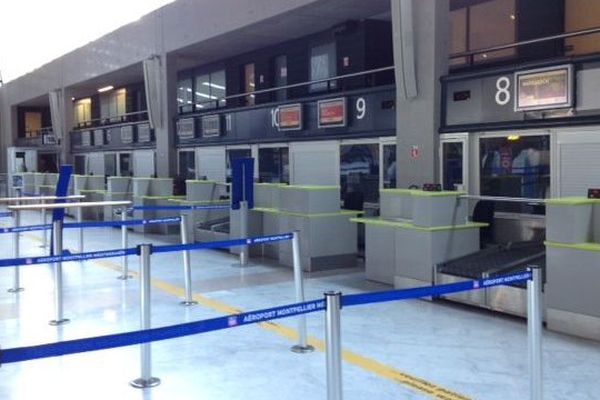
x=361, y=108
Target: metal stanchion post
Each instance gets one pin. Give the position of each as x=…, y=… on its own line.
x=244, y=232
x=187, y=270
x=16, y=271
x=333, y=345
x=146, y=380
x=58, y=276
x=80, y=237
x=124, y=260
x=302, y=346
x=44, y=232
x=534, y=332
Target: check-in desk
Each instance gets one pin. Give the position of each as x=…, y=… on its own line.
x=573, y=266
x=415, y=231
x=327, y=237
x=93, y=188
x=154, y=192
x=118, y=188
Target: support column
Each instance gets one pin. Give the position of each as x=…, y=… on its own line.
x=66, y=157
x=421, y=30
x=165, y=133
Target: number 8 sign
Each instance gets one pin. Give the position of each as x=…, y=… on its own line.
x=503, y=93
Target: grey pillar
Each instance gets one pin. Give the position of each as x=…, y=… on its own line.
x=421, y=31
x=66, y=157
x=165, y=135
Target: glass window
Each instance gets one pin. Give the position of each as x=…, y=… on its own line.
x=280, y=76
x=113, y=105
x=359, y=175
x=33, y=123
x=452, y=161
x=322, y=66
x=249, y=83
x=482, y=25
x=79, y=165
x=218, y=86
x=82, y=112
x=187, y=165
x=274, y=165
x=233, y=154
x=515, y=166
x=185, y=96
x=208, y=88
x=389, y=166
x=125, y=167
x=582, y=14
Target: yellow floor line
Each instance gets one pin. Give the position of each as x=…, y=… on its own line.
x=385, y=371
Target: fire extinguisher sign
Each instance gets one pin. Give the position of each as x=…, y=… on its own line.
x=414, y=152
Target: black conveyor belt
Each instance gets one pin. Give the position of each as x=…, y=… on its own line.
x=496, y=260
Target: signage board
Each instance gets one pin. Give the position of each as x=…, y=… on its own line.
x=211, y=125
x=289, y=117
x=99, y=137
x=544, y=88
x=332, y=112
x=144, y=133
x=127, y=134
x=49, y=139
x=186, y=128
x=86, y=138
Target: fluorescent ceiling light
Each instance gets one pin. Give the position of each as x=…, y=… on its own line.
x=206, y=96
x=213, y=85
x=105, y=89
x=513, y=137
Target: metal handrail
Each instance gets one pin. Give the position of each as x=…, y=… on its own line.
x=492, y=49
x=296, y=85
x=120, y=116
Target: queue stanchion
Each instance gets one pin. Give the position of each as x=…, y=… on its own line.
x=16, y=249
x=333, y=345
x=187, y=269
x=124, y=243
x=302, y=346
x=244, y=232
x=80, y=231
x=57, y=246
x=534, y=332
x=43, y=222
x=146, y=380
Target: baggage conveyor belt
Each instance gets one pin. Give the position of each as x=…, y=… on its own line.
x=487, y=263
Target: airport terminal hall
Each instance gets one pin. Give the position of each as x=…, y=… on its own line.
x=300, y=200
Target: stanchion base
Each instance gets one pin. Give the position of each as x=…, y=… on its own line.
x=302, y=349
x=15, y=290
x=59, y=322
x=188, y=303
x=124, y=277
x=145, y=383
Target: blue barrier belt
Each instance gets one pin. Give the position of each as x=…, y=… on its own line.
x=222, y=243
x=66, y=257
x=27, y=228
x=391, y=295
x=131, y=222
x=6, y=214
x=181, y=208
x=169, y=332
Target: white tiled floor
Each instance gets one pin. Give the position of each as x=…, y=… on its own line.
x=472, y=352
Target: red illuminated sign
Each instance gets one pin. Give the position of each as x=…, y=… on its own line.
x=290, y=117
x=332, y=113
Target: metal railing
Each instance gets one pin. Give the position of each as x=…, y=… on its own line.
x=131, y=117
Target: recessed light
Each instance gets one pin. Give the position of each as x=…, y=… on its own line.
x=105, y=89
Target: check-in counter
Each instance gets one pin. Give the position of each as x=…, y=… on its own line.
x=154, y=192
x=415, y=231
x=327, y=237
x=207, y=225
x=118, y=188
x=93, y=188
x=573, y=266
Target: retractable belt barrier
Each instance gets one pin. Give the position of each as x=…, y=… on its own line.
x=5, y=214
x=19, y=354
x=94, y=224
x=179, y=208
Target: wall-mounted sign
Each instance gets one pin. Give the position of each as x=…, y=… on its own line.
x=50, y=140
x=127, y=134
x=144, y=133
x=99, y=139
x=332, y=112
x=544, y=88
x=289, y=117
x=414, y=152
x=211, y=125
x=186, y=128
x=86, y=138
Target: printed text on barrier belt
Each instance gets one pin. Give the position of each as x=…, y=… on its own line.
x=5, y=214
x=222, y=243
x=99, y=224
x=151, y=335
x=392, y=295
x=28, y=228
x=68, y=257
x=170, y=332
x=179, y=208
